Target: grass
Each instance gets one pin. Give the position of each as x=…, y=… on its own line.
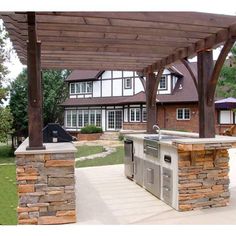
x=8, y=194
x=88, y=150
x=111, y=159
x=6, y=154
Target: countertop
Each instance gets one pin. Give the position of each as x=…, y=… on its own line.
x=66, y=147
x=189, y=138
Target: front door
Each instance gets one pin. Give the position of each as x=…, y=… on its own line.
x=114, y=119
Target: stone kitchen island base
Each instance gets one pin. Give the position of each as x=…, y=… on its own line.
x=184, y=171
x=46, y=184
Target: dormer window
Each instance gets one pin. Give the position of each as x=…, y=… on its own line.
x=163, y=83
x=81, y=88
x=128, y=83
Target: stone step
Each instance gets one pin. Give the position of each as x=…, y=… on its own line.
x=110, y=136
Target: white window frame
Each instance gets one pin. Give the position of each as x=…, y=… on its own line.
x=74, y=88
x=184, y=115
x=135, y=114
x=127, y=85
x=144, y=109
x=159, y=86
x=80, y=85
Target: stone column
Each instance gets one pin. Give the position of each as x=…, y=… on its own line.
x=203, y=176
x=46, y=184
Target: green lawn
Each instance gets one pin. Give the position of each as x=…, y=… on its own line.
x=88, y=150
x=112, y=159
x=8, y=194
x=6, y=154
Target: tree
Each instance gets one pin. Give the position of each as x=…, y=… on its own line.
x=5, y=123
x=3, y=58
x=55, y=92
x=5, y=113
x=226, y=86
x=18, y=104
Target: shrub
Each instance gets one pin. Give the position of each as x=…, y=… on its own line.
x=90, y=129
x=121, y=137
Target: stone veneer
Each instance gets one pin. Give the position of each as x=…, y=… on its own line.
x=46, y=185
x=203, y=176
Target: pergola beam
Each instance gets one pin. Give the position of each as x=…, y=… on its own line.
x=193, y=76
x=211, y=87
x=35, y=124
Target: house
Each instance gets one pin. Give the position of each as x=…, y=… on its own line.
x=115, y=100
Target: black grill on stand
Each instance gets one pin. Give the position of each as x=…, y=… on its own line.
x=54, y=133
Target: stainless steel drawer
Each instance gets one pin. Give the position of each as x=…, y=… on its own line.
x=152, y=178
x=138, y=170
x=167, y=195
x=167, y=177
x=167, y=185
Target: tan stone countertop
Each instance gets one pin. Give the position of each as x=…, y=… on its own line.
x=66, y=147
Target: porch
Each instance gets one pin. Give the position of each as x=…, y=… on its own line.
x=104, y=196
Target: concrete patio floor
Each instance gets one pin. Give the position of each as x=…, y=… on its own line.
x=105, y=196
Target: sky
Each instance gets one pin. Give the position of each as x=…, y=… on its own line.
x=227, y=7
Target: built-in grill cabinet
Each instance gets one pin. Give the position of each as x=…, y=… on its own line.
x=167, y=185
x=129, y=159
x=152, y=178
x=138, y=170
x=151, y=147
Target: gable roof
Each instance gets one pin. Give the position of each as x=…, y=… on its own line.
x=83, y=75
x=185, y=90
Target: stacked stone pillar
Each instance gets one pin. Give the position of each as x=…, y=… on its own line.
x=203, y=176
x=46, y=185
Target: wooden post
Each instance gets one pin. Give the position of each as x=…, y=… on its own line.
x=206, y=111
x=151, y=105
x=35, y=124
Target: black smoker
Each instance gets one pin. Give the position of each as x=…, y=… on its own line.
x=54, y=133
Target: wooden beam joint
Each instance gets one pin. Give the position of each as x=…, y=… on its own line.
x=211, y=86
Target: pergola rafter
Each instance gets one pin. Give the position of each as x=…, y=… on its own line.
x=154, y=39
x=145, y=42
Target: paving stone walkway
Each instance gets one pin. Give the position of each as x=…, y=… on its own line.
x=109, y=146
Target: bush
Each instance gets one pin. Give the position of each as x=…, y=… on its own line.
x=90, y=129
x=121, y=137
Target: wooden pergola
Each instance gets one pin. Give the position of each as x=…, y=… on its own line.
x=145, y=42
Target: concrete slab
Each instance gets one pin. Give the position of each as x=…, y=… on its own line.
x=106, y=196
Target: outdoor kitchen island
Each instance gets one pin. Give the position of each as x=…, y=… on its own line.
x=184, y=171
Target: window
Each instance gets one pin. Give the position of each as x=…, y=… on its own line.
x=72, y=88
x=98, y=118
x=226, y=117
x=183, y=114
x=81, y=118
x=135, y=114
x=81, y=87
x=163, y=83
x=71, y=118
x=128, y=83
x=144, y=114
x=68, y=118
x=86, y=117
x=92, y=117
x=74, y=119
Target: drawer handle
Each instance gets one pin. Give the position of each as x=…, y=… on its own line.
x=166, y=176
x=167, y=189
